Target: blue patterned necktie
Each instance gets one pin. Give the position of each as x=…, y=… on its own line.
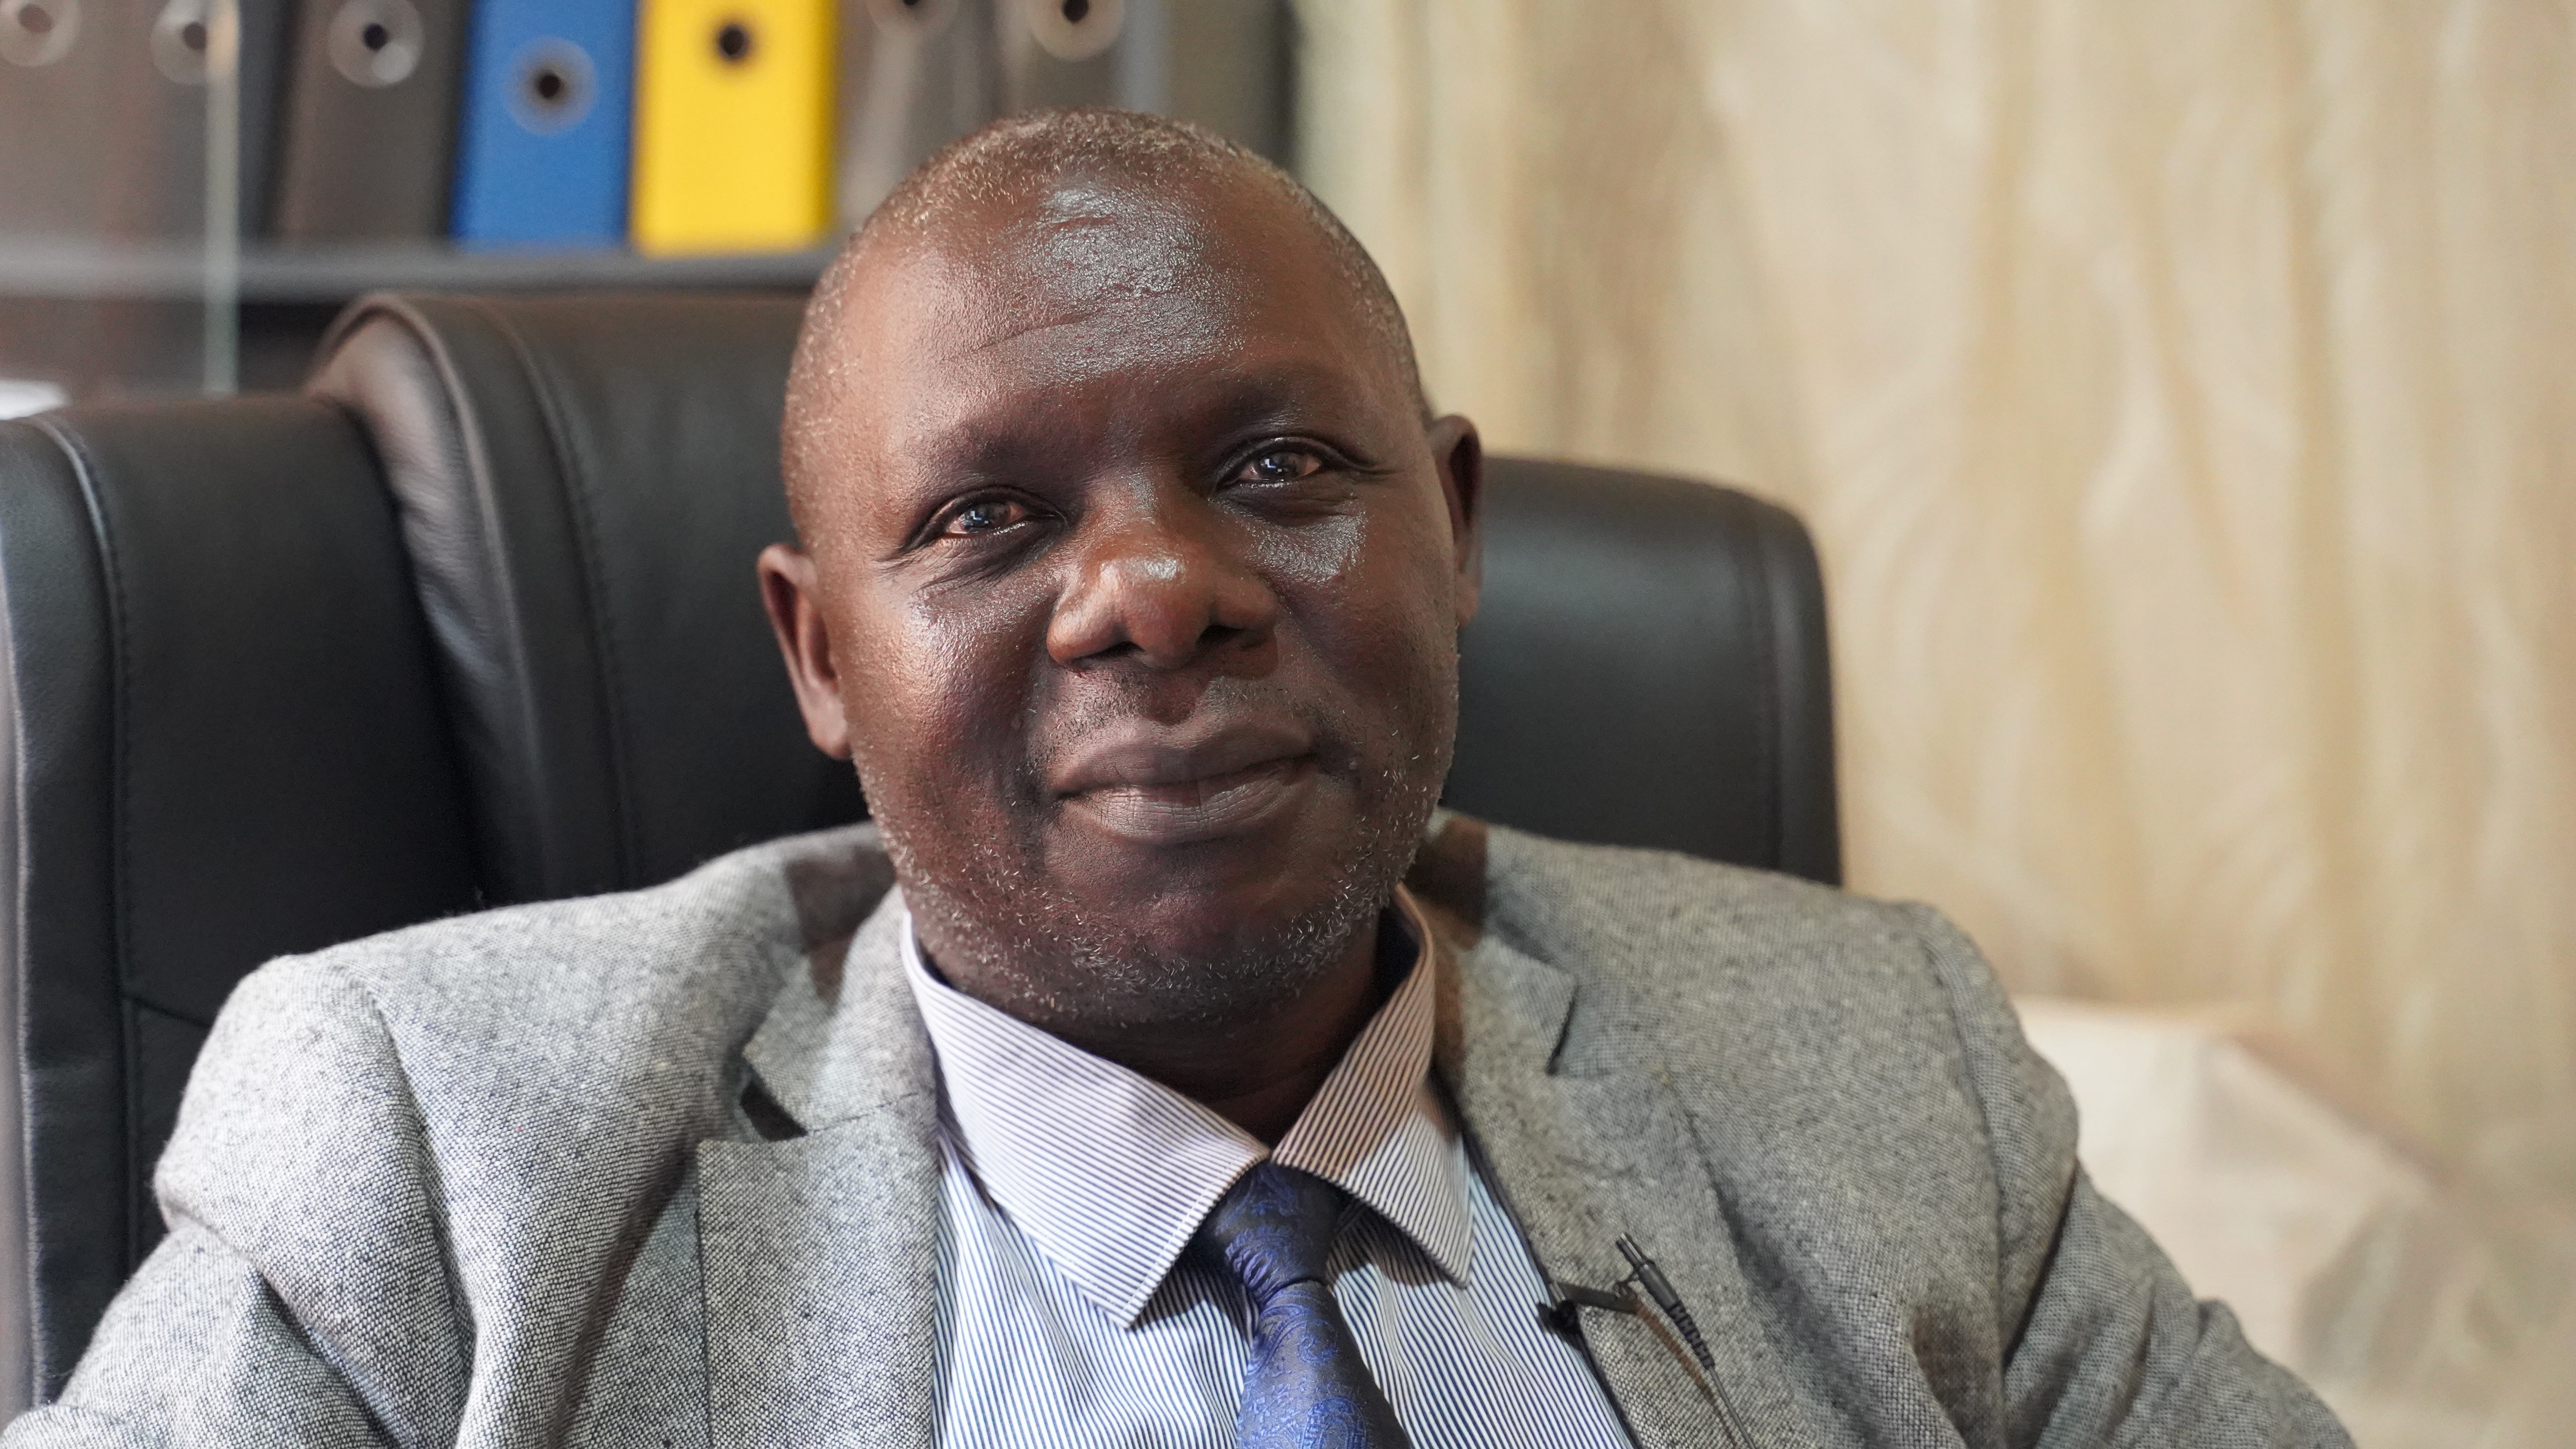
x=1304, y=1387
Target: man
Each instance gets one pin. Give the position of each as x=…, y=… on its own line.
x=1159, y=1069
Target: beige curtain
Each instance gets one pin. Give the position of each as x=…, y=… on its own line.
x=2184, y=398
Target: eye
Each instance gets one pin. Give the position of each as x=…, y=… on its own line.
x=980, y=517
x=1279, y=465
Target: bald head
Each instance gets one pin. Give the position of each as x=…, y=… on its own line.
x=1065, y=164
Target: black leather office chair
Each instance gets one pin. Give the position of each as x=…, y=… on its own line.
x=226, y=742
x=474, y=622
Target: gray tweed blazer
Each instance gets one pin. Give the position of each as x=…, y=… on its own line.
x=494, y=1181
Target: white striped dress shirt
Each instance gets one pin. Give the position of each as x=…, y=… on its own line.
x=1070, y=1313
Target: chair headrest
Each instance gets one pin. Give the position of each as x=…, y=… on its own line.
x=584, y=484
x=1648, y=667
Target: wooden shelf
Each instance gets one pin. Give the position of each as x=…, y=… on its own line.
x=331, y=274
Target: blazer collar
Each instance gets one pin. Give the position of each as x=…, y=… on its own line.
x=819, y=1250
x=1582, y=1156
x=844, y=1038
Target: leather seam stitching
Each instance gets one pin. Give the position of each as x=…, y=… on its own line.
x=1799, y=578
x=85, y=473
x=496, y=582
x=1754, y=588
x=1806, y=601
x=576, y=474
x=24, y=1144
x=145, y=1003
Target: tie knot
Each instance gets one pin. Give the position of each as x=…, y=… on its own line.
x=1275, y=1227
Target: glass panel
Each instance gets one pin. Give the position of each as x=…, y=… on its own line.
x=119, y=140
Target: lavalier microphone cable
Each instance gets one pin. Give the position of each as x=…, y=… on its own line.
x=1651, y=1278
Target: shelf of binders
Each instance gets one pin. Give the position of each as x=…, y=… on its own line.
x=344, y=137
x=511, y=145
x=336, y=272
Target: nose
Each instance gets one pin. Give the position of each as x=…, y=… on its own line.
x=1158, y=584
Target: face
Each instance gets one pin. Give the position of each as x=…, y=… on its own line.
x=1134, y=589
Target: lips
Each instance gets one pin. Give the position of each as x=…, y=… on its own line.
x=1157, y=786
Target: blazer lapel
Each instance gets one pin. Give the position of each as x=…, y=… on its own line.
x=819, y=1251
x=1584, y=1160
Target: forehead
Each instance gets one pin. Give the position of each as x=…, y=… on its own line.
x=1090, y=294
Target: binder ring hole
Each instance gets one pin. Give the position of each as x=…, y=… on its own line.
x=377, y=43
x=1073, y=29
x=183, y=43
x=555, y=86
x=37, y=32
x=916, y=18
x=733, y=42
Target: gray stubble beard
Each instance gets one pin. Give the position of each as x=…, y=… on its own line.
x=1052, y=961
x=1048, y=959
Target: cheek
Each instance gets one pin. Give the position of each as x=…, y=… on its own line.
x=1373, y=595
x=936, y=692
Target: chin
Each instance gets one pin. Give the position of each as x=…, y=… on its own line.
x=1086, y=927
x=1186, y=917
x=1213, y=924
x=1190, y=963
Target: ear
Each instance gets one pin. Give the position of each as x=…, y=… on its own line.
x=1460, y=458
x=787, y=587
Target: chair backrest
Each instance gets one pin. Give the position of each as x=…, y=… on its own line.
x=1648, y=668
x=583, y=484
x=475, y=622
x=225, y=744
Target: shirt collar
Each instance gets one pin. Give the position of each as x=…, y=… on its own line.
x=1110, y=1173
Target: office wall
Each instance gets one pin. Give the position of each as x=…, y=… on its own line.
x=2184, y=397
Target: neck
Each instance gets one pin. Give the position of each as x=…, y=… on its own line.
x=1257, y=1072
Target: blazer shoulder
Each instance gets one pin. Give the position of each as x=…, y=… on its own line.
x=1832, y=1046
x=633, y=957
x=372, y=1126
x=1654, y=912
x=1763, y=984
x=496, y=1043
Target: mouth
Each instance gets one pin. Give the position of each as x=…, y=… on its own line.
x=1198, y=810
x=1155, y=790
